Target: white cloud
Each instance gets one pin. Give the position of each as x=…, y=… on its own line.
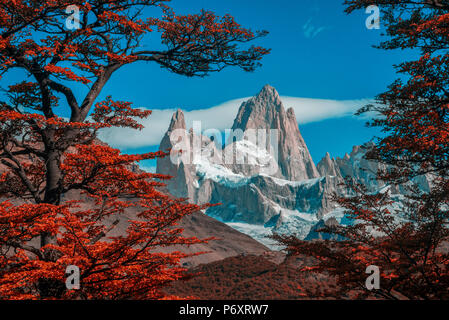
x=311, y=110
x=221, y=117
x=310, y=31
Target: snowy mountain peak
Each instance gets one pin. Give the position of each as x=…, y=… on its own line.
x=266, y=111
x=327, y=166
x=263, y=193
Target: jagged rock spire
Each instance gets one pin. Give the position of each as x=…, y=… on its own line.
x=266, y=111
x=259, y=112
x=182, y=183
x=177, y=121
x=327, y=166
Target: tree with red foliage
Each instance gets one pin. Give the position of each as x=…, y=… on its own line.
x=46, y=157
x=410, y=243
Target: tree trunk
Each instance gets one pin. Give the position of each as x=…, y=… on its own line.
x=48, y=287
x=52, y=194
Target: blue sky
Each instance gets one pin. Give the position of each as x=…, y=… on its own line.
x=336, y=63
x=317, y=52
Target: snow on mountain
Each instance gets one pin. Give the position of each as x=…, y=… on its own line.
x=219, y=174
x=264, y=189
x=260, y=233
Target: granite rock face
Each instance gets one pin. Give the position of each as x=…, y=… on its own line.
x=357, y=168
x=182, y=183
x=328, y=167
x=266, y=111
x=264, y=182
x=274, y=174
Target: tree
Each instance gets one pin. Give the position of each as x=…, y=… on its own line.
x=49, y=150
x=406, y=238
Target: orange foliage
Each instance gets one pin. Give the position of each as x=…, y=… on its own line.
x=410, y=244
x=46, y=158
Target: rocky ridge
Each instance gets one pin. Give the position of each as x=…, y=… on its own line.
x=267, y=187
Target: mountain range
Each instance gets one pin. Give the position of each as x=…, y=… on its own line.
x=267, y=187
